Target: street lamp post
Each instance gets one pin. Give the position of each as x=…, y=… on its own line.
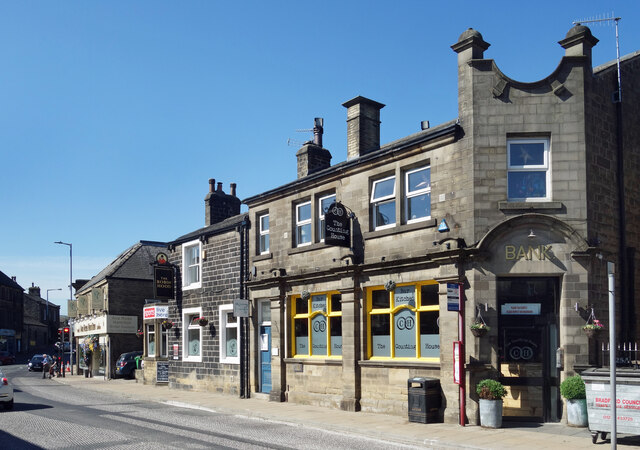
x=70, y=298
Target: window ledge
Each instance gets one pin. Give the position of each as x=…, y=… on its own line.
x=307, y=248
x=429, y=223
x=528, y=206
x=263, y=257
x=404, y=364
x=314, y=361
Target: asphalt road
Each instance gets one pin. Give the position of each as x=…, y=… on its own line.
x=51, y=415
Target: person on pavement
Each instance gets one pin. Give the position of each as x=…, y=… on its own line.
x=46, y=364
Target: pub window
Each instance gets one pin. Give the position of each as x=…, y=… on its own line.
x=323, y=206
x=317, y=325
x=192, y=336
x=263, y=220
x=383, y=203
x=229, y=336
x=191, y=265
x=303, y=224
x=151, y=340
x=404, y=323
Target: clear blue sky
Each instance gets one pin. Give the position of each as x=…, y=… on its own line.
x=115, y=114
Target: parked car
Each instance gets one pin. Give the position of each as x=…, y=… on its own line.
x=6, y=392
x=35, y=363
x=6, y=358
x=126, y=365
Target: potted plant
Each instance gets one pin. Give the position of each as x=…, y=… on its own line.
x=592, y=329
x=167, y=324
x=479, y=329
x=572, y=388
x=491, y=393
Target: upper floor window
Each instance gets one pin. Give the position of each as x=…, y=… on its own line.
x=191, y=265
x=303, y=224
x=323, y=206
x=263, y=220
x=383, y=203
x=418, y=194
x=528, y=177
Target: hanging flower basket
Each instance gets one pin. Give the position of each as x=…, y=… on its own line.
x=167, y=324
x=591, y=332
x=593, y=326
x=202, y=321
x=479, y=332
x=139, y=333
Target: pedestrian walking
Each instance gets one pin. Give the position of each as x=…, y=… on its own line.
x=46, y=365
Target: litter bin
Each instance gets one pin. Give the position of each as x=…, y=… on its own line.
x=597, y=384
x=424, y=400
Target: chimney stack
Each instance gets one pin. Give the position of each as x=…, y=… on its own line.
x=363, y=126
x=218, y=205
x=34, y=290
x=312, y=157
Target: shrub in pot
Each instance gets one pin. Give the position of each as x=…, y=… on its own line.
x=573, y=389
x=491, y=393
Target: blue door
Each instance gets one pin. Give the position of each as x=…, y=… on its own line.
x=265, y=358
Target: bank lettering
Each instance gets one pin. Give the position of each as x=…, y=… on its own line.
x=528, y=253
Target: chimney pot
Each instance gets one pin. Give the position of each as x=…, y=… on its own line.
x=232, y=189
x=212, y=184
x=219, y=187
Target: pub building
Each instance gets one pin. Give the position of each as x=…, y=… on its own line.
x=506, y=215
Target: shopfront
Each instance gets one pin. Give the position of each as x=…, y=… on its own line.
x=157, y=327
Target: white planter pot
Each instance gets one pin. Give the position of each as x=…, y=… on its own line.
x=577, y=413
x=491, y=413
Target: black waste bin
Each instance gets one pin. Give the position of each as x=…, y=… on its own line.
x=424, y=400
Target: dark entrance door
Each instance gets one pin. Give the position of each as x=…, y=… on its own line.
x=528, y=339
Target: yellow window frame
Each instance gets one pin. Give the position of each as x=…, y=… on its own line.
x=310, y=315
x=392, y=311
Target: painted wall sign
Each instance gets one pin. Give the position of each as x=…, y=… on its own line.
x=337, y=226
x=527, y=252
x=163, y=282
x=520, y=309
x=453, y=297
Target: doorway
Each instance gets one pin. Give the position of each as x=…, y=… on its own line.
x=528, y=339
x=264, y=344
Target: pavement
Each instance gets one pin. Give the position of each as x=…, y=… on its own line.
x=381, y=426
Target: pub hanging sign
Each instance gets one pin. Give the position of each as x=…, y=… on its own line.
x=337, y=226
x=163, y=282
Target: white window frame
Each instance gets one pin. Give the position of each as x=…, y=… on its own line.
x=224, y=325
x=164, y=342
x=418, y=192
x=151, y=332
x=321, y=215
x=187, y=325
x=375, y=201
x=262, y=232
x=301, y=223
x=186, y=281
x=545, y=166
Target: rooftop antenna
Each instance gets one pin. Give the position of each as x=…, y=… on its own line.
x=317, y=130
x=607, y=20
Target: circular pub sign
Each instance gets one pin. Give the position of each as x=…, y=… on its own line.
x=161, y=258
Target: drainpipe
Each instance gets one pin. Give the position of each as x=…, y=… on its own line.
x=243, y=229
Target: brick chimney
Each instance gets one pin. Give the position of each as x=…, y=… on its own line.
x=218, y=205
x=363, y=126
x=34, y=290
x=311, y=156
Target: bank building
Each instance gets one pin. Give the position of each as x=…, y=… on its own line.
x=370, y=272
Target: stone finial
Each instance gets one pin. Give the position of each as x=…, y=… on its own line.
x=470, y=45
x=578, y=42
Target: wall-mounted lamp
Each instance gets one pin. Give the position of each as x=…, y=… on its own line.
x=532, y=235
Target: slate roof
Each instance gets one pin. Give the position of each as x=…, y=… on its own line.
x=217, y=228
x=134, y=263
x=7, y=281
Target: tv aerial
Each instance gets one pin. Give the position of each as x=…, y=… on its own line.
x=317, y=131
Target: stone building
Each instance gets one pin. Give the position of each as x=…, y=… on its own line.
x=41, y=322
x=514, y=207
x=207, y=349
x=107, y=312
x=11, y=314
